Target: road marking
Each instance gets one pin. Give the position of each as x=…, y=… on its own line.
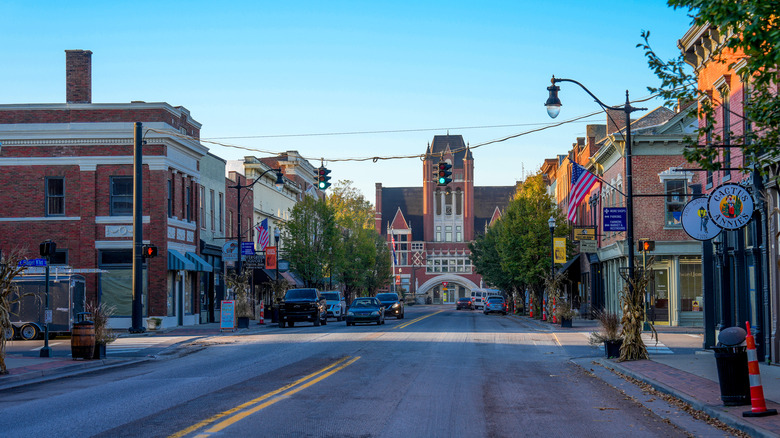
x=407, y=324
x=245, y=409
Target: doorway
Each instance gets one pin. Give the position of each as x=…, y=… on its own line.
x=659, y=295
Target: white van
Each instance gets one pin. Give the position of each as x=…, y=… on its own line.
x=479, y=296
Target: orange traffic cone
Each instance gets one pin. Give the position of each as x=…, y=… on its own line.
x=262, y=313
x=756, y=390
x=544, y=309
x=531, y=307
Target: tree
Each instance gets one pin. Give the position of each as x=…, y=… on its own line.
x=9, y=270
x=382, y=270
x=751, y=31
x=310, y=238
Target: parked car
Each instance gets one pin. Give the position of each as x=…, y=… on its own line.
x=496, y=303
x=302, y=305
x=336, y=304
x=464, y=303
x=365, y=309
x=392, y=304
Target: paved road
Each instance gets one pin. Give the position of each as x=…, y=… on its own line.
x=439, y=372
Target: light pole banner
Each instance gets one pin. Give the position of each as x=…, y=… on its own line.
x=559, y=245
x=270, y=257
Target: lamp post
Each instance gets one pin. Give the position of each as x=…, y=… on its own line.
x=553, y=105
x=238, y=187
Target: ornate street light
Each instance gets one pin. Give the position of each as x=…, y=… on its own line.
x=279, y=185
x=553, y=105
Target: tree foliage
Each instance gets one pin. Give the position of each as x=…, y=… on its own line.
x=752, y=34
x=514, y=254
x=9, y=269
x=310, y=237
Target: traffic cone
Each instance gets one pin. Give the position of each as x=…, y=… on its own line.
x=555, y=318
x=544, y=309
x=262, y=313
x=756, y=390
x=531, y=308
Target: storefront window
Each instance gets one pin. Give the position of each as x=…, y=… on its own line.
x=116, y=285
x=691, y=299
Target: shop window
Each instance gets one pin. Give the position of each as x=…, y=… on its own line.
x=55, y=196
x=116, y=284
x=691, y=299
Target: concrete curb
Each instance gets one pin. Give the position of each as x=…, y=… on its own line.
x=41, y=376
x=727, y=418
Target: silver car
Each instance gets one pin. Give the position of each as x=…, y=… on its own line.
x=336, y=304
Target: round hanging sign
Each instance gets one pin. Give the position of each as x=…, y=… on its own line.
x=696, y=220
x=730, y=206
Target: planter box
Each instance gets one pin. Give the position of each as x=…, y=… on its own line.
x=153, y=324
x=612, y=348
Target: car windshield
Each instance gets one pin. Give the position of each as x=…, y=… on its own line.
x=363, y=303
x=330, y=296
x=387, y=297
x=295, y=294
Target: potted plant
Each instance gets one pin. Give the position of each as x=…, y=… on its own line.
x=103, y=333
x=608, y=334
x=565, y=313
x=153, y=323
x=239, y=284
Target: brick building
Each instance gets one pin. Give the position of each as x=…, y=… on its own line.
x=432, y=225
x=67, y=175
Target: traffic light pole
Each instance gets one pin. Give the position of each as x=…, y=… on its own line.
x=136, y=324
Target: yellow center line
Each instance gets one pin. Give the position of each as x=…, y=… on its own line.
x=556, y=340
x=241, y=415
x=238, y=408
x=416, y=320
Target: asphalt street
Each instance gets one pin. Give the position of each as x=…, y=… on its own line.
x=437, y=373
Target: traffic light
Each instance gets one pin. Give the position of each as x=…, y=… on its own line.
x=323, y=178
x=149, y=251
x=444, y=173
x=646, y=245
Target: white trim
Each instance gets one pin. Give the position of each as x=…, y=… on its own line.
x=181, y=247
x=116, y=244
x=119, y=220
x=40, y=219
x=192, y=226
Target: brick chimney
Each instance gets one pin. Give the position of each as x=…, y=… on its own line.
x=78, y=76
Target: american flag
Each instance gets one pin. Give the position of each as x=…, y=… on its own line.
x=581, y=182
x=262, y=234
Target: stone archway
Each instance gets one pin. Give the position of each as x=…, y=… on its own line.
x=431, y=285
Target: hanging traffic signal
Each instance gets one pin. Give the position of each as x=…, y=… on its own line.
x=323, y=178
x=646, y=245
x=444, y=173
x=149, y=251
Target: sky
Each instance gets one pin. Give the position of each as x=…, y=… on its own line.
x=340, y=80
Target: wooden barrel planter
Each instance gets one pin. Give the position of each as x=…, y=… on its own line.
x=82, y=340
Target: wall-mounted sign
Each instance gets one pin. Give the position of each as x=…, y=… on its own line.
x=730, y=206
x=614, y=219
x=584, y=233
x=230, y=251
x=696, y=220
x=588, y=246
x=559, y=249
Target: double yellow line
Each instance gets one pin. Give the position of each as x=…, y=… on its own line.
x=407, y=324
x=244, y=410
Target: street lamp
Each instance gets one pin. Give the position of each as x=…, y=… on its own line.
x=553, y=105
x=279, y=184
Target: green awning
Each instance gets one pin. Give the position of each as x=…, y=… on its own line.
x=177, y=262
x=200, y=264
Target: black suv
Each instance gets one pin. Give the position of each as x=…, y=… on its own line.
x=392, y=304
x=302, y=305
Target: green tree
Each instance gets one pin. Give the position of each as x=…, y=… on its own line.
x=382, y=270
x=357, y=249
x=310, y=237
x=751, y=28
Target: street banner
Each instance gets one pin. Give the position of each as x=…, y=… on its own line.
x=560, y=249
x=270, y=257
x=588, y=246
x=696, y=220
x=614, y=219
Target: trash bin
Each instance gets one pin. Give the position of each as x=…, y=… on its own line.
x=732, y=363
x=82, y=339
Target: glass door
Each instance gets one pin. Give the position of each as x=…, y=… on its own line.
x=659, y=295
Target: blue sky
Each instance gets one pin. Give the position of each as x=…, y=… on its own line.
x=272, y=72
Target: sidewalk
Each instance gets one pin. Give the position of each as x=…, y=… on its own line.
x=692, y=378
x=26, y=370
